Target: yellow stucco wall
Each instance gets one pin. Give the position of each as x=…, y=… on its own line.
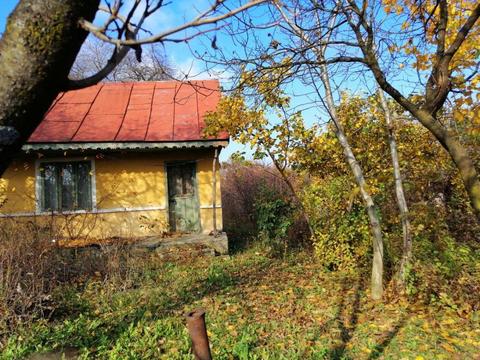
x=17, y=187
x=131, y=196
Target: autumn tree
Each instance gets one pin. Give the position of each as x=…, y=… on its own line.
x=427, y=49
x=434, y=193
x=248, y=121
x=280, y=63
x=389, y=44
x=447, y=52
x=43, y=38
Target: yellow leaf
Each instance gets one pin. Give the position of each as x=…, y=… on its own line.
x=448, y=347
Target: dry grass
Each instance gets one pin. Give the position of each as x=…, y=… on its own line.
x=257, y=308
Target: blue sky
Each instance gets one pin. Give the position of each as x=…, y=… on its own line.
x=180, y=56
x=5, y=9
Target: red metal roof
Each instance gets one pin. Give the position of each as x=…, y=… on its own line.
x=138, y=111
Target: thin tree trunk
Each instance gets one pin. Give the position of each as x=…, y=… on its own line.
x=377, y=265
x=446, y=137
x=400, y=194
x=37, y=50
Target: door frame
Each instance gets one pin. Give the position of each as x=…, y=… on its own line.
x=168, y=163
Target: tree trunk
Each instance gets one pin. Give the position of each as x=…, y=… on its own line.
x=400, y=194
x=377, y=265
x=459, y=155
x=447, y=139
x=37, y=50
x=467, y=171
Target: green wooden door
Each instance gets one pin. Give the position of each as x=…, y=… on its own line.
x=182, y=198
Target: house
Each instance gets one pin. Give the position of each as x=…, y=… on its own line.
x=121, y=160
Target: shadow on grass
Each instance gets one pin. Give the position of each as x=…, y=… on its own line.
x=387, y=339
x=238, y=242
x=159, y=304
x=348, y=328
x=165, y=301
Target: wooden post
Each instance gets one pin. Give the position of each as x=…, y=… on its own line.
x=214, y=202
x=198, y=333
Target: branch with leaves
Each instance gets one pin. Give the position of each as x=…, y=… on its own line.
x=249, y=124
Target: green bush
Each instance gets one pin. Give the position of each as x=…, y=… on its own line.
x=342, y=234
x=275, y=216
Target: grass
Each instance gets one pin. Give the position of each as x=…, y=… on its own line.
x=257, y=308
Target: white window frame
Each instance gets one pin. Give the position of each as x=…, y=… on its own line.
x=38, y=184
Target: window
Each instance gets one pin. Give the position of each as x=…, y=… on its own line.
x=65, y=186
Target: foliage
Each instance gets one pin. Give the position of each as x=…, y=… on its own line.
x=242, y=183
x=342, y=232
x=272, y=131
x=257, y=308
x=419, y=52
x=422, y=49
x=245, y=186
x=265, y=125
x=275, y=217
x=439, y=207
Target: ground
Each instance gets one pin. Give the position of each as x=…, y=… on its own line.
x=257, y=308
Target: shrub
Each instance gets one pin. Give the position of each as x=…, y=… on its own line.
x=244, y=199
x=33, y=266
x=275, y=217
x=29, y=270
x=342, y=234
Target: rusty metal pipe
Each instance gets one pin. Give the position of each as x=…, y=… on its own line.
x=198, y=333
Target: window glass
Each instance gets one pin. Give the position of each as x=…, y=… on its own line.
x=84, y=189
x=49, y=187
x=67, y=191
x=66, y=186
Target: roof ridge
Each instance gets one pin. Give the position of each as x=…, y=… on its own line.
x=114, y=83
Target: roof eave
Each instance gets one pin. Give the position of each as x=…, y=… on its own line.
x=131, y=146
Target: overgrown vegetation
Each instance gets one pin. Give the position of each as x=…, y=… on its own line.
x=35, y=268
x=326, y=193
x=273, y=298
x=260, y=209
x=306, y=229
x=258, y=307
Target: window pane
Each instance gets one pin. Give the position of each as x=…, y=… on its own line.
x=178, y=181
x=188, y=180
x=49, y=191
x=84, y=186
x=171, y=181
x=68, y=186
